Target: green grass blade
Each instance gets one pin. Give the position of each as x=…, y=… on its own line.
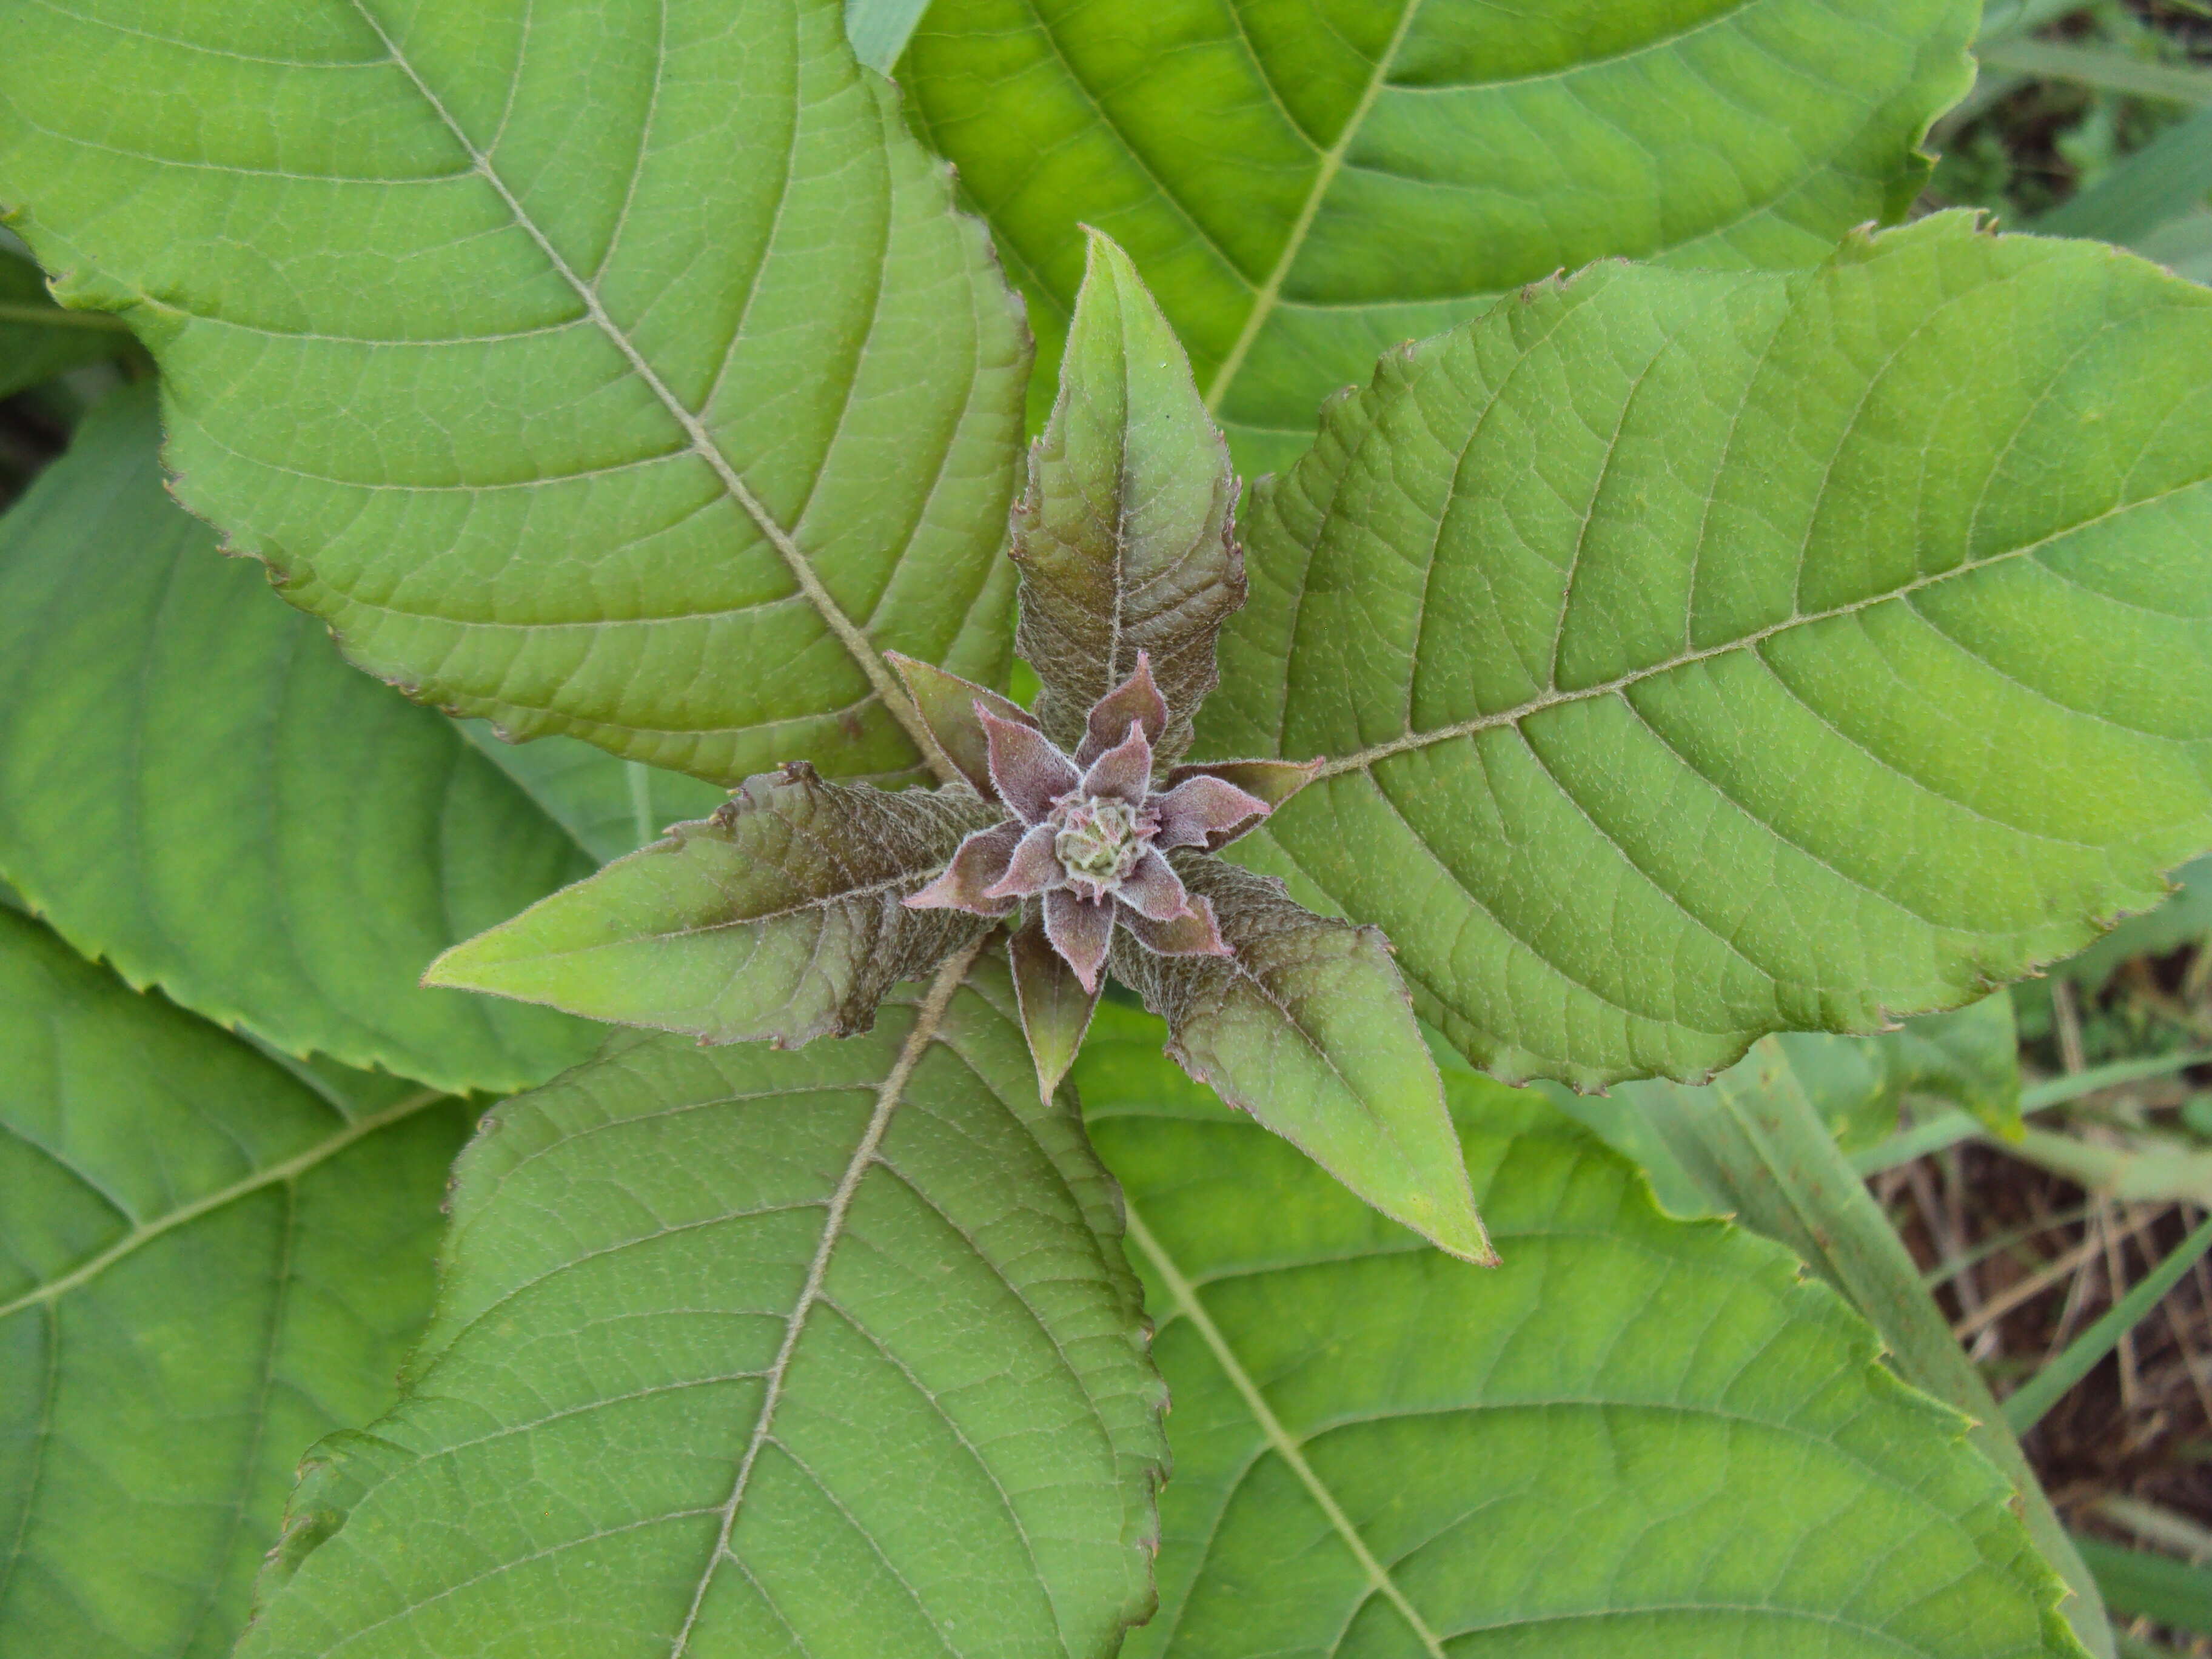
x=2112, y=71
x=2026, y=1407
x=2165, y=180
x=1949, y=1129
x=2151, y=1586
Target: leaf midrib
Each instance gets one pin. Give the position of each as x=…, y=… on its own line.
x=1332, y=163
x=288, y=1170
x=697, y=438
x=1361, y=760
x=928, y=1018
x=1279, y=1439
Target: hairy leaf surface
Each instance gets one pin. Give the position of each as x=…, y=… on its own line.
x=1700, y=655
x=611, y=806
x=196, y=787
x=1305, y=184
x=740, y=1354
x=207, y=1260
x=780, y=917
x=1307, y=1027
x=1638, y=1435
x=1123, y=537
x=618, y=368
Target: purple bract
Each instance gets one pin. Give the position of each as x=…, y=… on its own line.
x=1089, y=833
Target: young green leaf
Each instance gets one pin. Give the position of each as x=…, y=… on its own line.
x=1055, y=1006
x=1696, y=656
x=658, y=389
x=194, y=786
x=611, y=806
x=207, y=1260
x=782, y=916
x=748, y=1352
x=1124, y=539
x=1303, y=185
x=1308, y=1028
x=1638, y=1435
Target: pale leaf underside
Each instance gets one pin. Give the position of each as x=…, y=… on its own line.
x=1699, y=655
x=1384, y=1453
x=1303, y=185
x=743, y=1353
x=617, y=369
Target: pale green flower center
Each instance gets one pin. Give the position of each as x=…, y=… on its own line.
x=1098, y=838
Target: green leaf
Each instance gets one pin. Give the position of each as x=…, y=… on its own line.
x=38, y=339
x=1754, y=1144
x=195, y=786
x=1304, y=185
x=1702, y=655
x=743, y=1353
x=611, y=806
x=780, y=917
x=620, y=370
x=207, y=1260
x=1307, y=1027
x=1638, y=1435
x=1123, y=538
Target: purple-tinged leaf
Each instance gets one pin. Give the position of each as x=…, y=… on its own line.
x=1194, y=933
x=1136, y=698
x=780, y=917
x=1123, y=772
x=979, y=866
x=1055, y=1006
x=1273, y=782
x=1080, y=929
x=1206, y=812
x=946, y=704
x=1034, y=868
x=1123, y=537
x=1153, y=891
x=1308, y=1028
x=1028, y=772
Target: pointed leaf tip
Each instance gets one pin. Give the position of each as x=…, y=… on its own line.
x=947, y=705
x=1055, y=1007
x=781, y=917
x=1307, y=1027
x=1123, y=537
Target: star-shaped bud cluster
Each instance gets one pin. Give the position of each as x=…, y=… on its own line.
x=1087, y=835
x=1070, y=828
